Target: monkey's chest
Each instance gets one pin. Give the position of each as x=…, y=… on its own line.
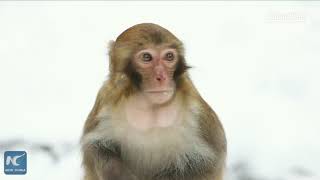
x=147, y=133
x=147, y=120
x=163, y=151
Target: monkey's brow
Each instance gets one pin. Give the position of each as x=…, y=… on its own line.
x=173, y=45
x=167, y=45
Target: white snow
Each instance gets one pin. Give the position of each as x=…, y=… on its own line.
x=256, y=63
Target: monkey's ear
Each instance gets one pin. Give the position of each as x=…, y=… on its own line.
x=111, y=45
x=181, y=68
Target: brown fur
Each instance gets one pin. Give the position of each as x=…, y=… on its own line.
x=106, y=156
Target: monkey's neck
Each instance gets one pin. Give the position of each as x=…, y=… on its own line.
x=143, y=115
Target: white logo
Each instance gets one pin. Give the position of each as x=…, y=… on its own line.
x=13, y=159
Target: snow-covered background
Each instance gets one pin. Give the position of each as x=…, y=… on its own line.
x=256, y=63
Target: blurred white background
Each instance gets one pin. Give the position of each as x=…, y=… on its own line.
x=256, y=63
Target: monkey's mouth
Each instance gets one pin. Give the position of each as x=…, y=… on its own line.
x=159, y=91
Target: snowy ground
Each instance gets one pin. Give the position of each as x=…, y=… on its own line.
x=257, y=64
x=62, y=161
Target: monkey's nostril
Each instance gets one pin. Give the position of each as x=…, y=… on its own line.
x=160, y=78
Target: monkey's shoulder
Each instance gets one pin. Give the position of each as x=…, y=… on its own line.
x=212, y=129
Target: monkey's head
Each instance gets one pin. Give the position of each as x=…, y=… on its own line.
x=150, y=59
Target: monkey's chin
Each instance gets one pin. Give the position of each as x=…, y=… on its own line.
x=159, y=97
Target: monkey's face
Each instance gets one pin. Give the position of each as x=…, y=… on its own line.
x=156, y=67
x=152, y=59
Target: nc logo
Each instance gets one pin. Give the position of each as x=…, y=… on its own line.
x=15, y=162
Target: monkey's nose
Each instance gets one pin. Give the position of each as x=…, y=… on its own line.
x=160, y=78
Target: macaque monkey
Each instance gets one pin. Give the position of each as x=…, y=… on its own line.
x=149, y=122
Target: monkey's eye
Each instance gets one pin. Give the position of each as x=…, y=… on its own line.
x=146, y=57
x=169, y=56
